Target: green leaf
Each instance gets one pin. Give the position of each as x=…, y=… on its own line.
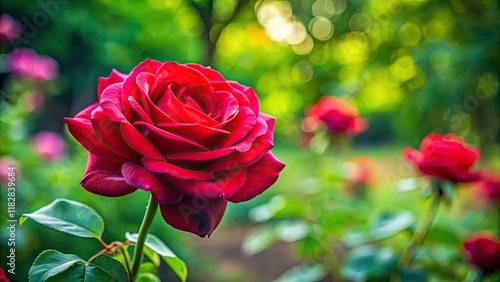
x=57, y=266
x=408, y=184
x=368, y=262
x=413, y=275
x=147, y=277
x=69, y=217
x=156, y=245
x=303, y=272
x=387, y=224
x=258, y=240
x=292, y=230
x=266, y=211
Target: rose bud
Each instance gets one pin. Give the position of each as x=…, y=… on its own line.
x=445, y=157
x=49, y=146
x=482, y=249
x=183, y=132
x=10, y=29
x=337, y=115
x=363, y=173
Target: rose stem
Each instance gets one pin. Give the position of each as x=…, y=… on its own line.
x=422, y=228
x=143, y=232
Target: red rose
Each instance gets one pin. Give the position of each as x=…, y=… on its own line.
x=3, y=277
x=337, y=115
x=445, y=157
x=183, y=132
x=483, y=250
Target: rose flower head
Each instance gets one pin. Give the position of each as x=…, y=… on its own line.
x=482, y=249
x=338, y=116
x=183, y=132
x=445, y=156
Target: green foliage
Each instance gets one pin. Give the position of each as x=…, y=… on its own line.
x=55, y=266
x=70, y=217
x=369, y=263
x=157, y=246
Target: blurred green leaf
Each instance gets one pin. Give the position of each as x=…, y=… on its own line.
x=266, y=211
x=148, y=268
x=304, y=272
x=156, y=245
x=68, y=216
x=387, y=224
x=408, y=184
x=292, y=230
x=368, y=262
x=55, y=266
x=413, y=275
x=259, y=239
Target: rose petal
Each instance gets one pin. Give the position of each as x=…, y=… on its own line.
x=139, y=110
x=195, y=215
x=225, y=184
x=108, y=132
x=252, y=97
x=138, y=142
x=240, y=125
x=130, y=87
x=111, y=103
x=175, y=171
x=104, y=177
x=104, y=82
x=182, y=113
x=210, y=74
x=81, y=129
x=162, y=190
x=201, y=156
x=208, y=137
x=260, y=176
x=167, y=142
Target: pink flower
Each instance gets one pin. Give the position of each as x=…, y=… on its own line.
x=26, y=63
x=183, y=132
x=337, y=115
x=7, y=162
x=482, y=249
x=49, y=146
x=10, y=29
x=445, y=156
x=488, y=189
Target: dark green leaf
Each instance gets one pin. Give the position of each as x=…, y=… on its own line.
x=68, y=216
x=369, y=263
x=303, y=272
x=413, y=275
x=57, y=266
x=156, y=245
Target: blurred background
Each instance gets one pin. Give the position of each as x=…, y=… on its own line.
x=409, y=67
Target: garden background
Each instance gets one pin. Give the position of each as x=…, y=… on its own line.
x=410, y=68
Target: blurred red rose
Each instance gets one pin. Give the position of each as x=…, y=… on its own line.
x=49, y=146
x=10, y=29
x=337, y=115
x=183, y=132
x=445, y=156
x=482, y=249
x=26, y=63
x=488, y=188
x=7, y=162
